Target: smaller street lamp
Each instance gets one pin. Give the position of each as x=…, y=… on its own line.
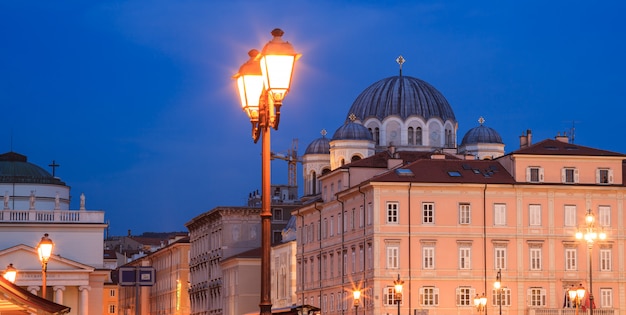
x=590, y=234
x=10, y=273
x=576, y=295
x=356, y=295
x=480, y=302
x=397, y=284
x=498, y=286
x=44, y=249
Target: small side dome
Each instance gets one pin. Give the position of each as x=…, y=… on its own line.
x=319, y=146
x=352, y=131
x=481, y=134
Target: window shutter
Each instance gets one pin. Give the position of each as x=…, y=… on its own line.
x=529, y=297
x=576, y=175
x=458, y=296
x=610, y=176
x=563, y=176
x=598, y=176
x=436, y=296
x=421, y=296
x=541, y=175
x=528, y=174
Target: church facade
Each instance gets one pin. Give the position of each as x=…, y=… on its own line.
x=391, y=195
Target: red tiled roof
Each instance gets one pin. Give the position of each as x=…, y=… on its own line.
x=555, y=147
x=449, y=171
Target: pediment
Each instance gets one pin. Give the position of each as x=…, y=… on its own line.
x=24, y=257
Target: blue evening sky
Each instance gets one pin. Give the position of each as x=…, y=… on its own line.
x=135, y=101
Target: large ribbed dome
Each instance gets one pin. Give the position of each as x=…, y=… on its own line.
x=318, y=146
x=401, y=96
x=481, y=134
x=14, y=168
x=352, y=131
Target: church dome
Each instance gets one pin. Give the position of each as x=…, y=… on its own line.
x=352, y=131
x=401, y=96
x=319, y=146
x=14, y=168
x=481, y=134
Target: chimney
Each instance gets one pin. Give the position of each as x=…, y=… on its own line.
x=525, y=140
x=564, y=138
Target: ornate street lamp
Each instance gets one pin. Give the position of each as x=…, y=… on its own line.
x=498, y=286
x=356, y=296
x=480, y=302
x=263, y=81
x=10, y=273
x=576, y=295
x=397, y=284
x=590, y=234
x=44, y=249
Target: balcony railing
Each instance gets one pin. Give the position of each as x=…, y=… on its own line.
x=570, y=311
x=52, y=216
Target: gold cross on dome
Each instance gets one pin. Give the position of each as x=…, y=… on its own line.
x=323, y=132
x=400, y=60
x=352, y=117
x=481, y=120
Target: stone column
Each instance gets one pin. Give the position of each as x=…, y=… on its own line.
x=83, y=302
x=58, y=294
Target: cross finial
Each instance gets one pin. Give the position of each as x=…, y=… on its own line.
x=352, y=117
x=323, y=132
x=481, y=120
x=400, y=60
x=54, y=165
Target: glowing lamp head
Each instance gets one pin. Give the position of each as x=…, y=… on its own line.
x=589, y=218
x=496, y=285
x=580, y=292
x=10, y=273
x=278, y=58
x=250, y=85
x=44, y=248
x=398, y=285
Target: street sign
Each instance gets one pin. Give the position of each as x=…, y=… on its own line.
x=131, y=276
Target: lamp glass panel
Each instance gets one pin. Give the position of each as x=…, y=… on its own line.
x=277, y=71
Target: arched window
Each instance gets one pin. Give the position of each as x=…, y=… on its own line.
x=355, y=158
x=410, y=135
x=314, y=183
x=377, y=136
x=343, y=162
x=418, y=135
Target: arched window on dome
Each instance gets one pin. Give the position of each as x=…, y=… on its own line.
x=418, y=135
x=377, y=135
x=343, y=162
x=410, y=133
x=313, y=183
x=355, y=158
x=449, y=139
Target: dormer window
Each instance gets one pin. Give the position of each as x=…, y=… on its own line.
x=569, y=175
x=534, y=174
x=604, y=176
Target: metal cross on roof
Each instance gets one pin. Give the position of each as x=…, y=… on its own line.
x=400, y=60
x=54, y=165
x=323, y=132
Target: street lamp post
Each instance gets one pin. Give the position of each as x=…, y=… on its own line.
x=263, y=81
x=44, y=249
x=397, y=284
x=10, y=273
x=590, y=234
x=480, y=302
x=356, y=294
x=576, y=295
x=498, y=286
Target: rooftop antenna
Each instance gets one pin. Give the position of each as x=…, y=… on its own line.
x=571, y=132
x=400, y=60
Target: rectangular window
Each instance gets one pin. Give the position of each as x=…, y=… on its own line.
x=428, y=254
x=353, y=260
x=604, y=176
x=605, y=259
x=606, y=297
x=112, y=292
x=392, y=257
x=331, y=225
x=429, y=296
x=339, y=223
x=361, y=217
x=345, y=221
x=464, y=213
x=569, y=175
x=534, y=174
x=502, y=296
x=392, y=212
x=331, y=259
x=464, y=258
x=370, y=256
x=535, y=258
x=325, y=228
x=500, y=257
x=389, y=296
x=111, y=308
x=464, y=296
x=278, y=214
x=536, y=297
x=570, y=216
x=428, y=213
x=499, y=214
x=534, y=212
x=332, y=302
x=370, y=213
x=570, y=259
x=604, y=216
